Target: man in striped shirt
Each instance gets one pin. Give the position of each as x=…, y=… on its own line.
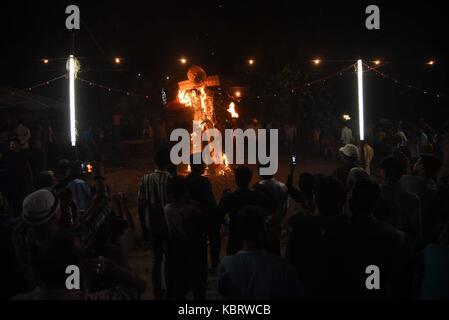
x=152, y=196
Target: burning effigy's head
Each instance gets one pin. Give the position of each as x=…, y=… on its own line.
x=197, y=75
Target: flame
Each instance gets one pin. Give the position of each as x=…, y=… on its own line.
x=184, y=98
x=202, y=104
x=225, y=160
x=232, y=111
x=203, y=98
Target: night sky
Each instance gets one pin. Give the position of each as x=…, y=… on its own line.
x=150, y=36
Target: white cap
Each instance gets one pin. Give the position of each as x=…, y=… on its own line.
x=350, y=151
x=39, y=207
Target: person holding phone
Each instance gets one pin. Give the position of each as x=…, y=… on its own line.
x=80, y=189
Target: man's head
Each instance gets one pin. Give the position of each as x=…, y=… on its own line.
x=14, y=144
x=162, y=158
x=45, y=179
x=40, y=208
x=75, y=170
x=427, y=166
x=53, y=258
x=63, y=167
x=265, y=177
x=392, y=169
x=177, y=189
x=306, y=183
x=330, y=196
x=349, y=153
x=251, y=226
x=364, y=197
x=243, y=177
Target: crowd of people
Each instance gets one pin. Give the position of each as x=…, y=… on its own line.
x=51, y=220
x=311, y=239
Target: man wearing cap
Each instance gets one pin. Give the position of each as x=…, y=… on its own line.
x=349, y=155
x=39, y=222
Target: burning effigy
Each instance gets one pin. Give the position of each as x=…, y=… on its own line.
x=195, y=93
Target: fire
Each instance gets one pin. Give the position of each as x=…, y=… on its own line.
x=202, y=104
x=184, y=98
x=232, y=111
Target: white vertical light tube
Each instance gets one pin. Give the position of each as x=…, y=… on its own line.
x=72, y=75
x=361, y=105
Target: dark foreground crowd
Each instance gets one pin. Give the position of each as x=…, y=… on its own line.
x=338, y=228
x=345, y=236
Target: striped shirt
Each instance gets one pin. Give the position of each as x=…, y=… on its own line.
x=154, y=185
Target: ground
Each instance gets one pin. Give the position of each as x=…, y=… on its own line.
x=126, y=179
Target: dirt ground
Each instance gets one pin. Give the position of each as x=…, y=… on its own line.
x=126, y=179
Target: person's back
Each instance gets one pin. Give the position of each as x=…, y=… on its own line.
x=435, y=281
x=153, y=191
x=397, y=206
x=200, y=191
x=371, y=242
x=232, y=202
x=152, y=197
x=253, y=274
x=346, y=135
x=276, y=194
x=401, y=209
x=423, y=184
x=313, y=241
x=257, y=275
x=201, y=195
x=18, y=172
x=187, y=251
x=81, y=192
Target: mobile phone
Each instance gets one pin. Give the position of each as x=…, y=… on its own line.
x=294, y=159
x=87, y=167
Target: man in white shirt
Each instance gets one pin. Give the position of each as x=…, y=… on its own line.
x=346, y=135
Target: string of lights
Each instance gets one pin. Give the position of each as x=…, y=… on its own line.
x=232, y=97
x=404, y=84
x=109, y=89
x=41, y=84
x=252, y=62
x=237, y=95
x=375, y=69
x=326, y=78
